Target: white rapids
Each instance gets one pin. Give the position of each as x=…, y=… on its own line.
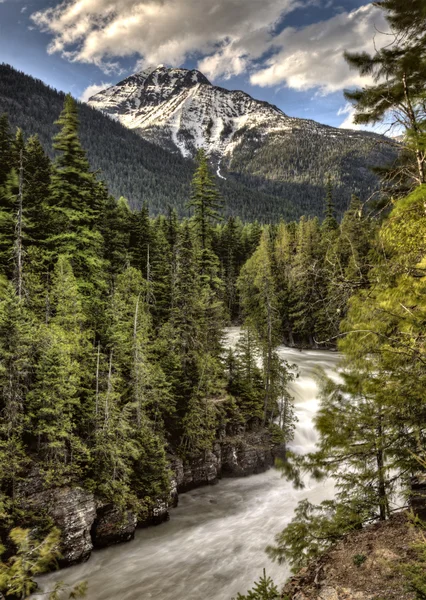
x=214, y=544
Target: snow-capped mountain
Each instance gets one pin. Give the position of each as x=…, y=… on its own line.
x=248, y=140
x=182, y=108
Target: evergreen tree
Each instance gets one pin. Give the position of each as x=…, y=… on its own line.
x=116, y=232
x=399, y=73
x=259, y=302
x=245, y=378
x=206, y=204
x=264, y=589
x=16, y=359
x=37, y=170
x=6, y=161
x=58, y=399
x=73, y=201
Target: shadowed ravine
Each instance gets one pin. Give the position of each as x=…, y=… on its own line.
x=213, y=546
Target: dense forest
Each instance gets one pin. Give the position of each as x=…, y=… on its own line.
x=111, y=330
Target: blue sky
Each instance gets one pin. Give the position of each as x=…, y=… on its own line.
x=288, y=52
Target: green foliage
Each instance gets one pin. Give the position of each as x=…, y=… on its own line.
x=359, y=559
x=264, y=589
x=33, y=557
x=398, y=70
x=313, y=530
x=204, y=201
x=415, y=570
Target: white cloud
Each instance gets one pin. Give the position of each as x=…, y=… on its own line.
x=161, y=31
x=232, y=37
x=348, y=122
x=91, y=90
x=312, y=57
x=383, y=127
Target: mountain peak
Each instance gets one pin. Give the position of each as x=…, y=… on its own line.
x=180, y=109
x=165, y=75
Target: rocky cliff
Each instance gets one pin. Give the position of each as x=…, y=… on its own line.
x=88, y=522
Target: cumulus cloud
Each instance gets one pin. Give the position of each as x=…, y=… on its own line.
x=161, y=31
x=312, y=57
x=91, y=90
x=231, y=36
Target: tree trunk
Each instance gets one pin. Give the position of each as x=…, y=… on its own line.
x=18, y=241
x=420, y=156
x=382, y=492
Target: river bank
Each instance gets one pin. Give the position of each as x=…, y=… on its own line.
x=87, y=522
x=213, y=545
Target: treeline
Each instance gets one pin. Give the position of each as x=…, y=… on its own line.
x=111, y=328
x=309, y=270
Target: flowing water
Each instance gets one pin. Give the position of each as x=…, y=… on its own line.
x=213, y=545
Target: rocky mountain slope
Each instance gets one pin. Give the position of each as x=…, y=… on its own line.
x=248, y=140
x=178, y=108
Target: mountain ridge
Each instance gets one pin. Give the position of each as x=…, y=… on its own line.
x=153, y=96
x=282, y=177
x=248, y=140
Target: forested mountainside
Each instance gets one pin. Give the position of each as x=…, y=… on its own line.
x=140, y=171
x=145, y=172
x=247, y=140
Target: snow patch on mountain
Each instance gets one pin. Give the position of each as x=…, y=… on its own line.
x=183, y=108
x=182, y=111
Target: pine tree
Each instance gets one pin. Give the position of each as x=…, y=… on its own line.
x=16, y=359
x=283, y=257
x=37, y=170
x=245, y=378
x=140, y=240
x=206, y=204
x=304, y=275
x=74, y=195
x=145, y=399
x=8, y=219
x=399, y=73
x=259, y=302
x=58, y=400
x=115, y=229
x=264, y=589
x=6, y=161
x=329, y=223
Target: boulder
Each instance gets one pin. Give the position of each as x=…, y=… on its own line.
x=112, y=526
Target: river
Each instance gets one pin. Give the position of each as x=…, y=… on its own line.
x=213, y=545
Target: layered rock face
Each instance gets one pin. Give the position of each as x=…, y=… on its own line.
x=72, y=509
x=236, y=456
x=87, y=522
